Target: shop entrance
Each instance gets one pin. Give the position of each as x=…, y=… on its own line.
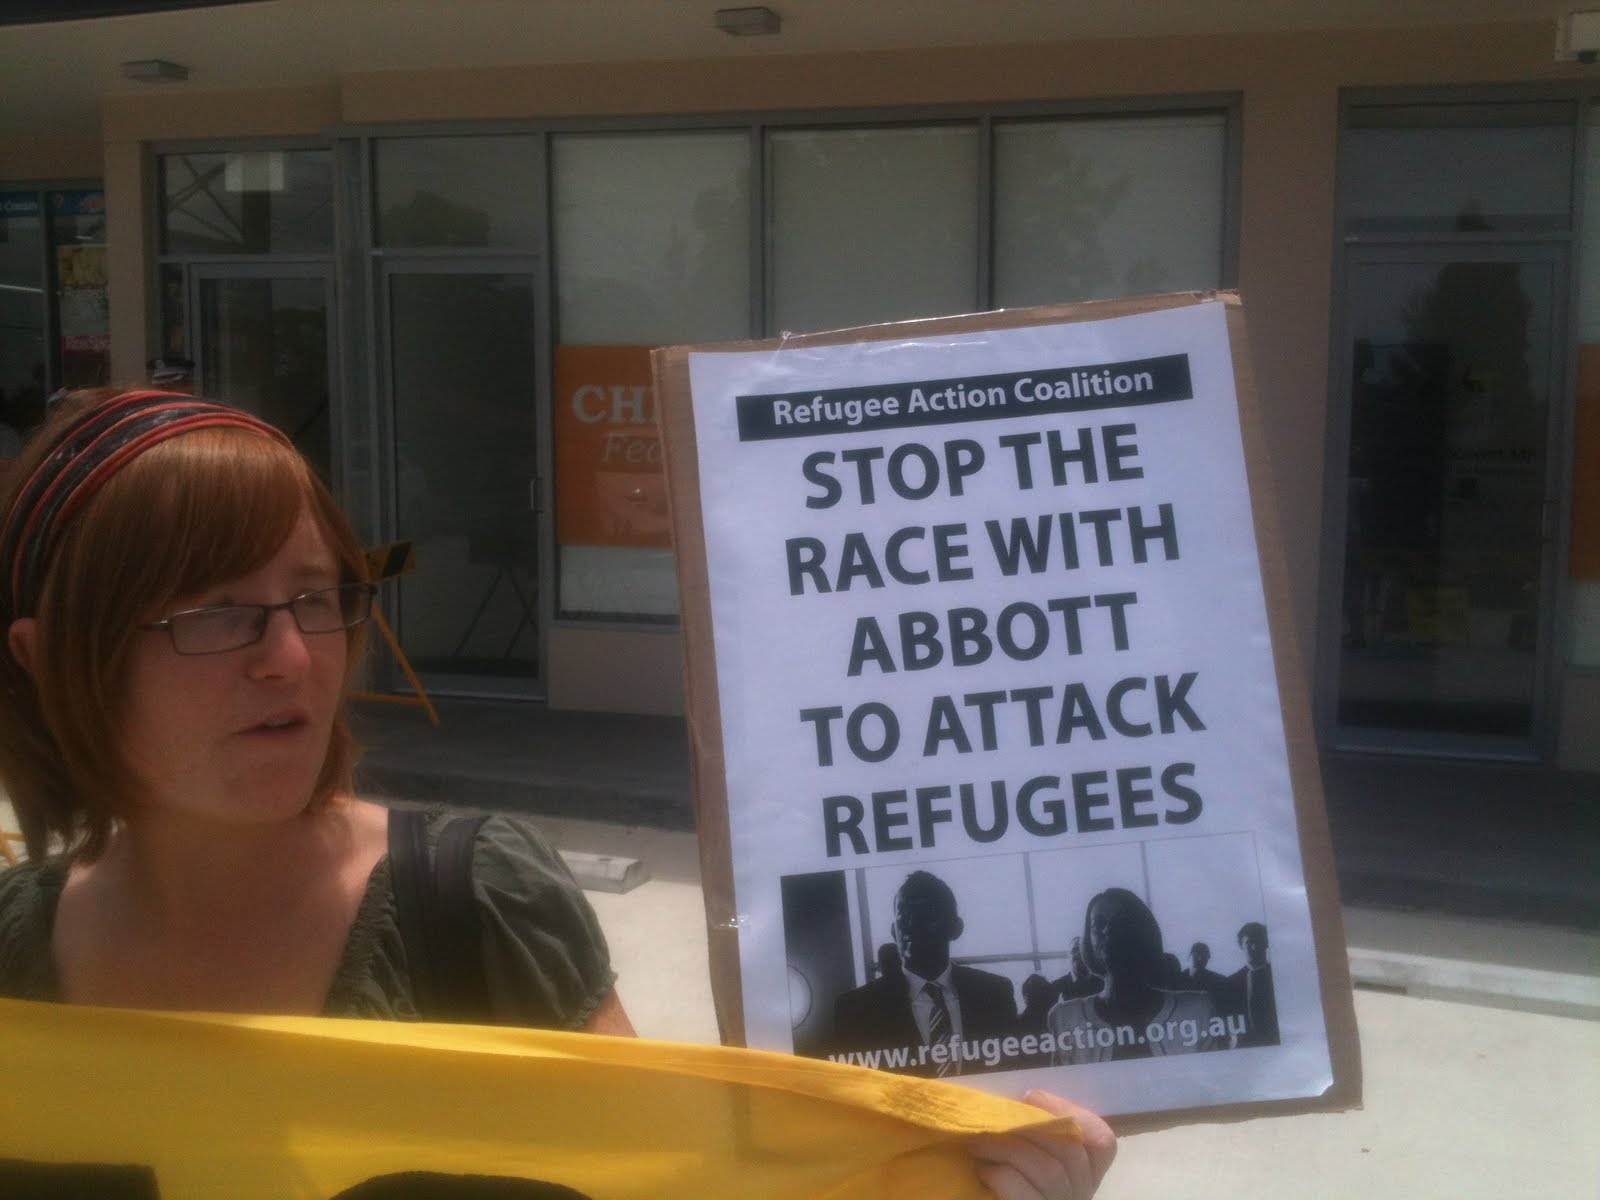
x=459, y=351
x=262, y=342
x=1453, y=364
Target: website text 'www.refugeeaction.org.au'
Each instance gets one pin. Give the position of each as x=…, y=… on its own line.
x=1030, y=1048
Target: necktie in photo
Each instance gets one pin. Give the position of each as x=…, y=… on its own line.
x=939, y=1030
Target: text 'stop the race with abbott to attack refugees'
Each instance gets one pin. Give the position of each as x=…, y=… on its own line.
x=1008, y=789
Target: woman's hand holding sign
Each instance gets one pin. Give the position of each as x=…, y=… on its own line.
x=1047, y=1162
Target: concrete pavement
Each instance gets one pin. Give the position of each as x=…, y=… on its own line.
x=1462, y=1100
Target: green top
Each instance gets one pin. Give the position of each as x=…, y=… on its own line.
x=545, y=957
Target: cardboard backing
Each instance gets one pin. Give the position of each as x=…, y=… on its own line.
x=676, y=416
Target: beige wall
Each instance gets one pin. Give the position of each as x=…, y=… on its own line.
x=1290, y=85
x=125, y=165
x=29, y=160
x=601, y=671
x=174, y=115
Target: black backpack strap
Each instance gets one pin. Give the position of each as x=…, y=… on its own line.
x=462, y=987
x=412, y=880
x=437, y=915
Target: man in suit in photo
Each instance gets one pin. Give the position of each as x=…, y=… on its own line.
x=1250, y=989
x=1080, y=981
x=932, y=1001
x=1200, y=978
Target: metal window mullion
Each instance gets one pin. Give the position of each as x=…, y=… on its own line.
x=348, y=188
x=985, y=231
x=763, y=197
x=50, y=323
x=759, y=280
x=1336, y=463
x=1232, y=190
x=544, y=335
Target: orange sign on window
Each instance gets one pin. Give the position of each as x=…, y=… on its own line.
x=610, y=490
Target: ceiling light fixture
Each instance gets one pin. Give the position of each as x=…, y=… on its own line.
x=154, y=70
x=1578, y=37
x=748, y=22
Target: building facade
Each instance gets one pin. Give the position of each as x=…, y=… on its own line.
x=444, y=282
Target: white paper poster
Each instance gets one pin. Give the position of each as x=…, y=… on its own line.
x=999, y=714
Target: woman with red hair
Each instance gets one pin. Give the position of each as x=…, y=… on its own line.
x=182, y=604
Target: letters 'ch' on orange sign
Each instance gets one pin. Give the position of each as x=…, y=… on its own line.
x=609, y=486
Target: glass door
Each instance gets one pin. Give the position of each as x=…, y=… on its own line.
x=462, y=399
x=262, y=342
x=1452, y=359
x=24, y=345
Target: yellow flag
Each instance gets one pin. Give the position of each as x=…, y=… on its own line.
x=115, y=1103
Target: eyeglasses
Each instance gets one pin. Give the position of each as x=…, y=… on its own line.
x=227, y=627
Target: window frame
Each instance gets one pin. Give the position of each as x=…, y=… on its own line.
x=356, y=255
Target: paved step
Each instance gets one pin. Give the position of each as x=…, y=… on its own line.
x=1496, y=962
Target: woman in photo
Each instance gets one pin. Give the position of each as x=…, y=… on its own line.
x=1136, y=1013
x=182, y=604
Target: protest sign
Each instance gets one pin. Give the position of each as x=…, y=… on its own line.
x=991, y=682
x=123, y=1105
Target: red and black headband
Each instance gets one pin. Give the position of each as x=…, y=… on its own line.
x=86, y=453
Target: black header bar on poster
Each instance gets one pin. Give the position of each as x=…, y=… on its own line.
x=977, y=398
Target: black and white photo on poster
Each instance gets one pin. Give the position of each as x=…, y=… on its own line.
x=989, y=623
x=1058, y=959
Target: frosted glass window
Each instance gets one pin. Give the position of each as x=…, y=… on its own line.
x=1459, y=168
x=652, y=237
x=247, y=202
x=871, y=225
x=651, y=248
x=1094, y=207
x=458, y=191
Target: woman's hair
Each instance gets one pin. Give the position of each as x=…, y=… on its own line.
x=185, y=512
x=1139, y=927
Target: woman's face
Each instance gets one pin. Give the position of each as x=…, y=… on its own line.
x=239, y=736
x=1113, y=931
